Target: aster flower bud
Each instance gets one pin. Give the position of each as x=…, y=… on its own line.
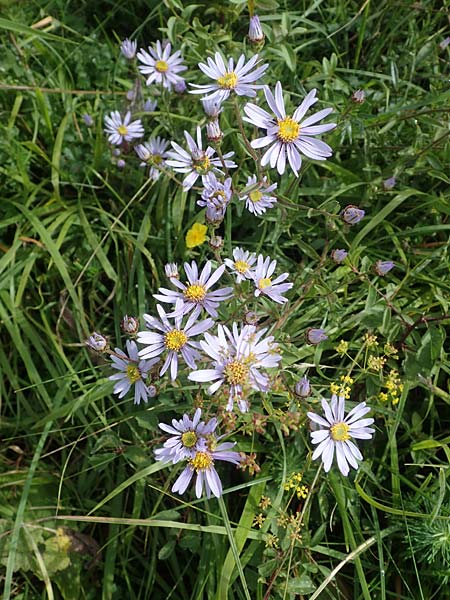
x=444, y=43
x=116, y=152
x=389, y=183
x=358, y=96
x=251, y=318
x=211, y=107
x=88, y=120
x=255, y=32
x=130, y=95
x=384, y=266
x=352, y=214
x=143, y=152
x=97, y=342
x=216, y=242
x=129, y=325
x=128, y=48
x=171, y=270
x=339, y=255
x=213, y=131
x=152, y=391
x=303, y=387
x=315, y=336
x=121, y=163
x=180, y=86
x=150, y=105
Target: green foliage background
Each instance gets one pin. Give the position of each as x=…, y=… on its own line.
x=84, y=510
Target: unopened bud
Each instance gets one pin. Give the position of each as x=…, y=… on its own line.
x=303, y=387
x=97, y=342
x=130, y=325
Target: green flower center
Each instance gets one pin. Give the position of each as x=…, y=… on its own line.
x=175, y=339
x=339, y=432
x=133, y=373
x=189, y=439
x=161, y=66
x=122, y=129
x=195, y=293
x=228, y=81
x=236, y=372
x=288, y=130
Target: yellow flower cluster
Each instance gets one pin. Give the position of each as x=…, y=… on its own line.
x=394, y=388
x=370, y=340
x=376, y=363
x=258, y=520
x=265, y=502
x=343, y=388
x=293, y=483
x=342, y=347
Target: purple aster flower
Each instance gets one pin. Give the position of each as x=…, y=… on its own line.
x=128, y=48
x=175, y=339
x=195, y=161
x=215, y=196
x=264, y=284
x=352, y=214
x=289, y=136
x=336, y=433
x=339, y=255
x=202, y=463
x=153, y=153
x=382, y=267
x=196, y=294
x=303, y=387
x=228, y=78
x=257, y=195
x=315, y=336
x=237, y=358
x=160, y=66
x=132, y=372
x=188, y=436
x=121, y=130
x=242, y=264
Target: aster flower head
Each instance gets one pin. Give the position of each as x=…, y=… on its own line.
x=195, y=161
x=237, y=359
x=195, y=293
x=289, y=137
x=160, y=66
x=242, y=264
x=202, y=463
x=187, y=437
x=336, y=433
x=128, y=48
x=132, y=372
x=229, y=78
x=97, y=342
x=153, y=153
x=174, y=339
x=123, y=130
x=382, y=267
x=352, y=214
x=215, y=197
x=339, y=255
x=257, y=195
x=315, y=336
x=262, y=277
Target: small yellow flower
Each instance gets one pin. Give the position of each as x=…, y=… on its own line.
x=334, y=388
x=376, y=363
x=258, y=520
x=196, y=235
x=342, y=347
x=370, y=340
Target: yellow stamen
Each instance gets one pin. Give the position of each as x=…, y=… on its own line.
x=255, y=196
x=157, y=159
x=122, y=129
x=201, y=461
x=175, y=339
x=202, y=164
x=339, y=432
x=288, y=130
x=133, y=373
x=161, y=66
x=189, y=439
x=241, y=266
x=263, y=283
x=228, y=81
x=236, y=372
x=195, y=293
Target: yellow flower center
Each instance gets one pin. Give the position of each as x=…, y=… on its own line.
x=175, y=339
x=189, y=439
x=288, y=130
x=339, y=432
x=228, y=81
x=241, y=266
x=202, y=164
x=255, y=196
x=161, y=66
x=236, y=372
x=195, y=293
x=263, y=283
x=133, y=373
x=201, y=461
x=122, y=129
